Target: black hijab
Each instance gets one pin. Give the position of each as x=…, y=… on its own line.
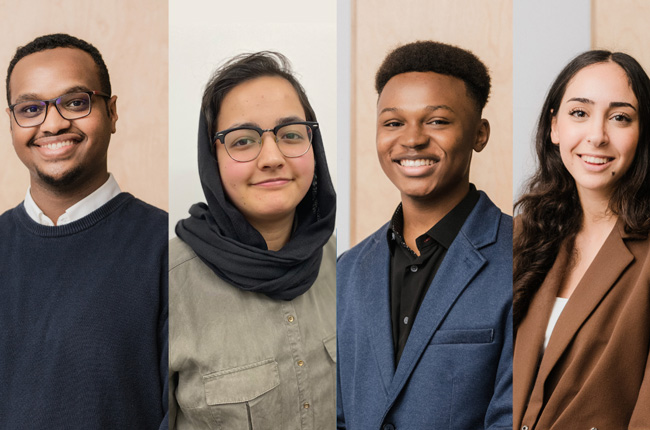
x=237, y=253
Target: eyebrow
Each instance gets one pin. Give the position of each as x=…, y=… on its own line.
x=279, y=121
x=288, y=119
x=33, y=96
x=244, y=124
x=431, y=108
x=591, y=102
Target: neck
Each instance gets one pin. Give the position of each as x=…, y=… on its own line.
x=597, y=221
x=276, y=233
x=421, y=215
x=595, y=211
x=597, y=218
x=54, y=202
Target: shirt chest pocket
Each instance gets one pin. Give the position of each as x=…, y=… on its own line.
x=245, y=397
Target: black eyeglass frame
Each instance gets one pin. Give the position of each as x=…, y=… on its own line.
x=221, y=136
x=56, y=105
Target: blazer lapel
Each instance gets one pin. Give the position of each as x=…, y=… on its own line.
x=376, y=306
x=461, y=264
x=612, y=259
x=530, y=339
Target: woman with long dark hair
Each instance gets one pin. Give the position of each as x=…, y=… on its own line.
x=252, y=280
x=581, y=254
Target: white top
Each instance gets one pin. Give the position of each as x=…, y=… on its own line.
x=558, y=307
x=83, y=207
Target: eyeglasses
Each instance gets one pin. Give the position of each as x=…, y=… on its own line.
x=245, y=143
x=70, y=106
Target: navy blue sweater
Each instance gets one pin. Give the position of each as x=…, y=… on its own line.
x=83, y=319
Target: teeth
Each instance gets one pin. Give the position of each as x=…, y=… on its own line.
x=594, y=160
x=416, y=163
x=58, y=144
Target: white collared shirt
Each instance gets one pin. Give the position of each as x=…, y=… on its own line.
x=83, y=207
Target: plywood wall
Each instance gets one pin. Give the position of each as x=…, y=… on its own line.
x=132, y=37
x=481, y=26
x=622, y=26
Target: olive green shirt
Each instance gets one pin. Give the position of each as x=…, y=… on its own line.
x=241, y=360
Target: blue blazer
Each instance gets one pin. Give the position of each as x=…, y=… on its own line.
x=456, y=368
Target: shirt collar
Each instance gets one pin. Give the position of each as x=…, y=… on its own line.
x=445, y=231
x=83, y=207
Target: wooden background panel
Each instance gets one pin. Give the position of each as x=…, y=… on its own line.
x=132, y=38
x=622, y=26
x=481, y=26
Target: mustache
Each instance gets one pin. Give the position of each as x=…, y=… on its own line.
x=32, y=141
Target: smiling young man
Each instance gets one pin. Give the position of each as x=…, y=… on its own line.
x=84, y=309
x=424, y=304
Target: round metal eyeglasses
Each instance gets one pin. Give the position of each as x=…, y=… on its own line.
x=32, y=113
x=244, y=143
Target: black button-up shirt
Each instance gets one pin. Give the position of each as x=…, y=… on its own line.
x=410, y=274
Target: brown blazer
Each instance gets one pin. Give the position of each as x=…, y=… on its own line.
x=595, y=373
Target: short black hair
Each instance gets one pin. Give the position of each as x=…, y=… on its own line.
x=245, y=67
x=430, y=56
x=61, y=40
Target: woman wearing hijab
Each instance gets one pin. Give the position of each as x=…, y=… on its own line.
x=581, y=254
x=252, y=272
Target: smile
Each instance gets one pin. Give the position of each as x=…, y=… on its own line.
x=274, y=182
x=416, y=163
x=56, y=148
x=57, y=145
x=595, y=160
x=58, y=141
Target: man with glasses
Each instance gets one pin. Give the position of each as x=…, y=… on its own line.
x=424, y=304
x=84, y=273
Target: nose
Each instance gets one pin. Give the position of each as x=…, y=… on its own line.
x=54, y=122
x=270, y=156
x=414, y=136
x=597, y=134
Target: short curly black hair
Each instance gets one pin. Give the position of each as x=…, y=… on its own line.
x=430, y=56
x=61, y=40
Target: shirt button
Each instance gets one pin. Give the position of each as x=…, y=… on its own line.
x=389, y=427
x=305, y=405
x=290, y=318
x=301, y=363
x=414, y=268
x=406, y=320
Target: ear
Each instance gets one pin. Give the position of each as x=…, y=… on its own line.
x=482, y=135
x=11, y=126
x=555, y=137
x=112, y=112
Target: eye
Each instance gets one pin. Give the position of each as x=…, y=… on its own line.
x=438, y=121
x=622, y=118
x=393, y=123
x=242, y=142
x=291, y=135
x=578, y=113
x=76, y=103
x=29, y=109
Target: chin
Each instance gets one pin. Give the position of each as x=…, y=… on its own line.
x=420, y=193
x=271, y=213
x=421, y=197
x=62, y=181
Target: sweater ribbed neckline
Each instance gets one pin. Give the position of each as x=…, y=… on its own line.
x=74, y=227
